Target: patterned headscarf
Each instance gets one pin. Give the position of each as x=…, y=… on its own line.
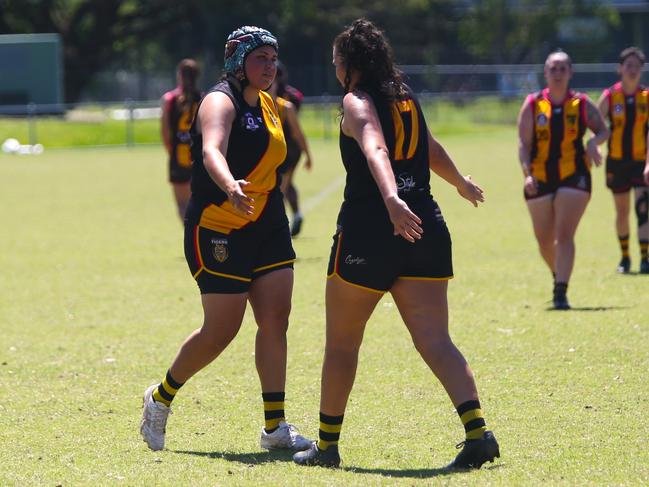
x=242, y=42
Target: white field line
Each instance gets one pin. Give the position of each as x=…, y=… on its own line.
x=315, y=200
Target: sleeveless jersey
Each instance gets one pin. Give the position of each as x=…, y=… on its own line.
x=180, y=121
x=256, y=148
x=628, y=116
x=406, y=136
x=557, y=147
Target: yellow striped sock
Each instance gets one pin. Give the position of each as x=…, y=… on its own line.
x=624, y=245
x=644, y=249
x=329, y=433
x=273, y=410
x=167, y=390
x=472, y=418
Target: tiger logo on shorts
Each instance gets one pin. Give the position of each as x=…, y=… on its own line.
x=220, y=251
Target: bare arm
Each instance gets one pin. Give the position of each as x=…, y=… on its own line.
x=294, y=124
x=646, y=165
x=165, y=124
x=525, y=139
x=596, y=124
x=441, y=164
x=361, y=122
x=215, y=117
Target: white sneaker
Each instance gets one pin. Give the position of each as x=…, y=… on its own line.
x=154, y=420
x=285, y=436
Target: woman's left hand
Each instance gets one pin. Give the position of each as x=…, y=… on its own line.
x=470, y=191
x=592, y=153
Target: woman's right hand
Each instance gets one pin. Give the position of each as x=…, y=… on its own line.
x=405, y=222
x=240, y=200
x=531, y=186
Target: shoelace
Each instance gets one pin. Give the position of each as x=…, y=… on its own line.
x=292, y=431
x=159, y=417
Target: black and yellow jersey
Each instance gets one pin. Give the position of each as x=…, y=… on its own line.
x=181, y=116
x=406, y=137
x=557, y=146
x=628, y=118
x=256, y=148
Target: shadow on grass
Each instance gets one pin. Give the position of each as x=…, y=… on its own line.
x=259, y=458
x=253, y=458
x=586, y=308
x=418, y=473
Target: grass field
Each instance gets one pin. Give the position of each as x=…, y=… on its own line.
x=93, y=126
x=95, y=298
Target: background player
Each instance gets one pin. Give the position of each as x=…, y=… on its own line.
x=296, y=143
x=626, y=107
x=178, y=109
x=551, y=126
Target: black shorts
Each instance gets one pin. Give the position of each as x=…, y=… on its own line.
x=581, y=180
x=228, y=263
x=365, y=252
x=621, y=176
x=179, y=173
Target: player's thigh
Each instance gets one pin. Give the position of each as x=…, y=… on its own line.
x=423, y=305
x=348, y=308
x=542, y=214
x=569, y=206
x=270, y=298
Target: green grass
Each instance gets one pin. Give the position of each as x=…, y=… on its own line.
x=95, y=298
x=95, y=127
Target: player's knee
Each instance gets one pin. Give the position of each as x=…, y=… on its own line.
x=642, y=208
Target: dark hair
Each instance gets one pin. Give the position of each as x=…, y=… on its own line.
x=561, y=53
x=364, y=48
x=188, y=71
x=632, y=51
x=281, y=78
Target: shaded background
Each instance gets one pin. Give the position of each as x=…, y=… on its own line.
x=117, y=49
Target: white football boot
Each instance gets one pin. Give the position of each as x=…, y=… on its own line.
x=154, y=420
x=285, y=436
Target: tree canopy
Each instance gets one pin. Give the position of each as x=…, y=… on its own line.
x=154, y=34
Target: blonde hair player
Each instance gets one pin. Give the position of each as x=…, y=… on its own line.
x=556, y=166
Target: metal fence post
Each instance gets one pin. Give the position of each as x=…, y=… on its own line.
x=31, y=122
x=130, y=108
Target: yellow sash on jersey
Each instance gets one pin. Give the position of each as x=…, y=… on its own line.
x=263, y=178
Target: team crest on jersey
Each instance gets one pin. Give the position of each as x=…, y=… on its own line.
x=220, y=250
x=571, y=119
x=642, y=108
x=183, y=137
x=541, y=120
x=250, y=122
x=618, y=108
